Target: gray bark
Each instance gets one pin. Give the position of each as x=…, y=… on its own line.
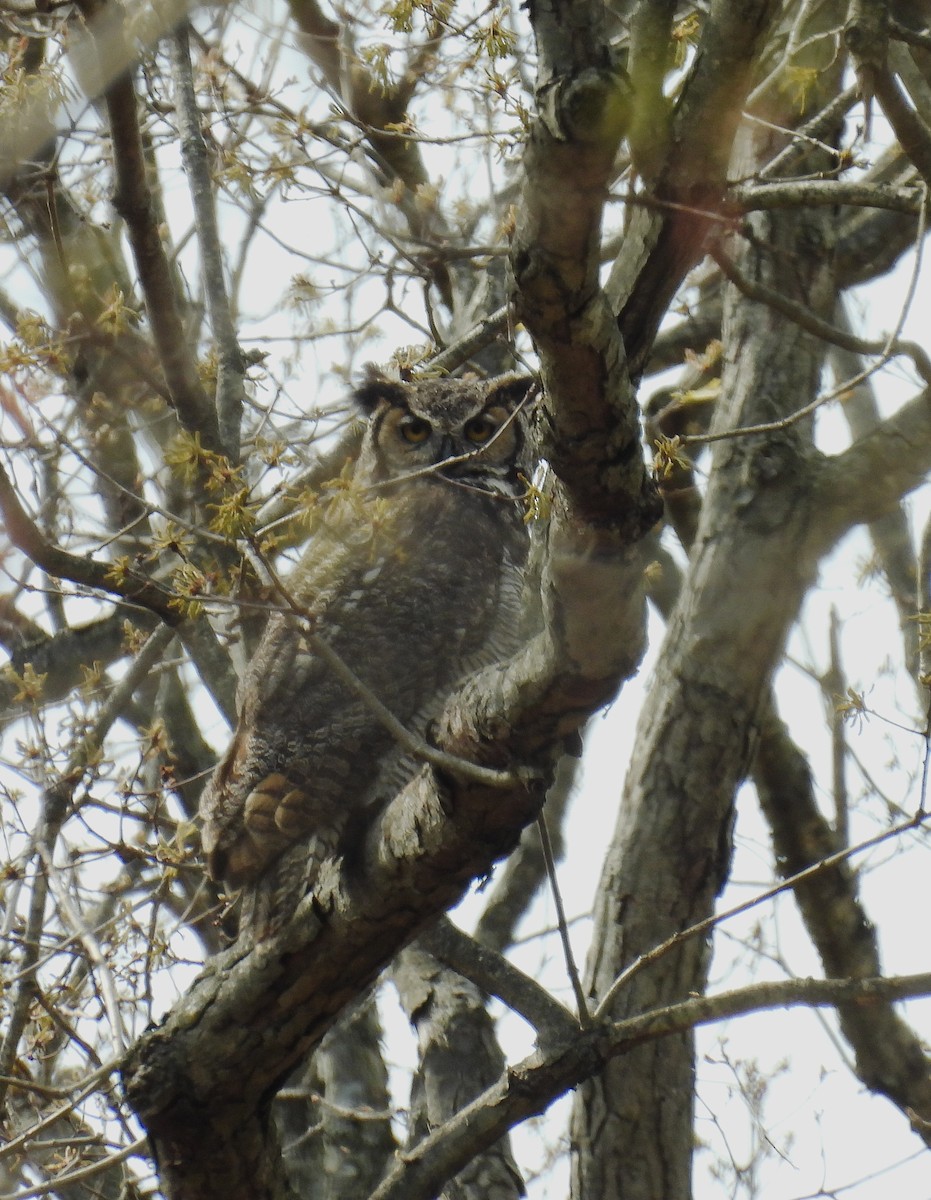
x=449, y=1014
x=671, y=849
x=333, y=1116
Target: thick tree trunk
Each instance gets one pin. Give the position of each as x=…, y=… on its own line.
x=753, y=560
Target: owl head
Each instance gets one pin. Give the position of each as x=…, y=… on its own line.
x=473, y=431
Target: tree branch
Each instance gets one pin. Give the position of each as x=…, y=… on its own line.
x=885, y=348
x=27, y=537
x=693, y=175
x=863, y=482
x=59, y=657
x=528, y=1089
x=866, y=36
x=133, y=201
x=830, y=193
x=890, y=1058
x=495, y=975
x=230, y=367
x=211, y=661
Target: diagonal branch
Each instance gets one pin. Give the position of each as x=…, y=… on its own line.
x=495, y=975
x=26, y=536
x=866, y=36
x=529, y=1088
x=693, y=175
x=133, y=201
x=885, y=348
x=864, y=482
x=199, y=640
x=890, y=1058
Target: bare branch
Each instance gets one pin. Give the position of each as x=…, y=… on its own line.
x=890, y=1057
x=529, y=1088
x=133, y=201
x=495, y=975
x=904, y=33
x=230, y=367
x=884, y=348
x=757, y=197
x=25, y=534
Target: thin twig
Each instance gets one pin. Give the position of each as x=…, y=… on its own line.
x=833, y=685
x=70, y=1177
x=642, y=961
x=55, y=805
x=585, y=1017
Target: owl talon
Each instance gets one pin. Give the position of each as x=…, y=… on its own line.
x=291, y=814
x=262, y=805
x=276, y=810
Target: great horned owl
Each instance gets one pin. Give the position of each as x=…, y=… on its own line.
x=413, y=579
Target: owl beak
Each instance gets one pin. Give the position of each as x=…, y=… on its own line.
x=448, y=450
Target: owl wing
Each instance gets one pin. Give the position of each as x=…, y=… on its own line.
x=284, y=772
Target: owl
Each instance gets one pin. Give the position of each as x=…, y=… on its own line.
x=412, y=577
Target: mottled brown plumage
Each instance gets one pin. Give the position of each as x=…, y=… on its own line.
x=413, y=579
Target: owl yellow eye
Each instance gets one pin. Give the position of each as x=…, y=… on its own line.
x=480, y=429
x=415, y=429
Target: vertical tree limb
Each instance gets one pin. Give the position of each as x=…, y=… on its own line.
x=230, y=367
x=133, y=201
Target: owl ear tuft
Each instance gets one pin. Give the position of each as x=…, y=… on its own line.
x=375, y=388
x=514, y=390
